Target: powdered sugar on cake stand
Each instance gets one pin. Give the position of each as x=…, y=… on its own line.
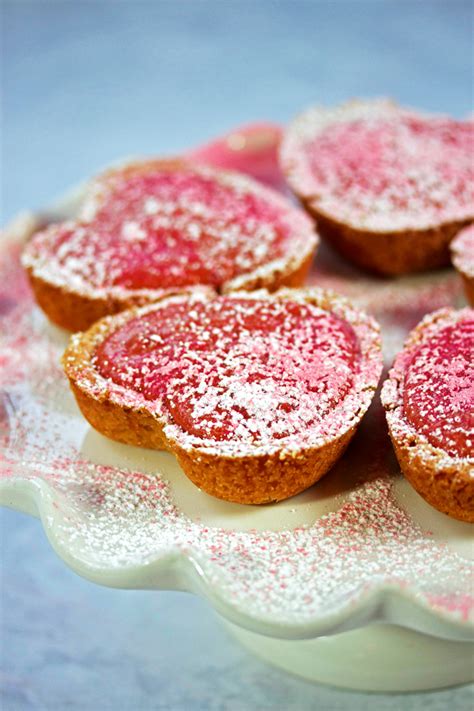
x=321, y=562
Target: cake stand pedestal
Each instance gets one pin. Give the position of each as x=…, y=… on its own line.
x=379, y=657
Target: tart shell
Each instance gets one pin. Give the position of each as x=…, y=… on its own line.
x=248, y=479
x=468, y=283
x=243, y=480
x=444, y=481
x=458, y=258
x=387, y=251
x=76, y=309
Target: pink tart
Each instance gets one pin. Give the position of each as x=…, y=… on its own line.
x=462, y=256
x=429, y=403
x=159, y=227
x=389, y=187
x=256, y=394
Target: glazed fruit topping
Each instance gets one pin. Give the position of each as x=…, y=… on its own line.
x=236, y=368
x=439, y=388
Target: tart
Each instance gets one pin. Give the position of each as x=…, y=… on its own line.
x=159, y=227
x=429, y=403
x=250, y=149
x=389, y=187
x=256, y=394
x=462, y=256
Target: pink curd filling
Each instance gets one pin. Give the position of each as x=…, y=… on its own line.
x=377, y=167
x=170, y=229
x=438, y=398
x=251, y=370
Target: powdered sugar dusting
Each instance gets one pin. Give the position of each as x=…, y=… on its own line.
x=162, y=226
x=111, y=518
x=381, y=168
x=116, y=519
x=246, y=373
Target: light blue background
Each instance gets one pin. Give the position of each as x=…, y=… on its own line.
x=85, y=83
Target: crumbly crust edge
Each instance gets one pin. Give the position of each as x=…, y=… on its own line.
x=204, y=464
x=462, y=265
x=389, y=252
x=76, y=309
x=446, y=482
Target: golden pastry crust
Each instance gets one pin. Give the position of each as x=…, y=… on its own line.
x=75, y=305
x=468, y=282
x=462, y=257
x=388, y=253
x=444, y=481
x=75, y=311
x=250, y=478
x=244, y=480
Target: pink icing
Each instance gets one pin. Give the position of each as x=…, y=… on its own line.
x=251, y=370
x=159, y=229
x=438, y=398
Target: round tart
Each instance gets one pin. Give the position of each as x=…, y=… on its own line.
x=159, y=227
x=257, y=394
x=462, y=256
x=429, y=403
x=389, y=187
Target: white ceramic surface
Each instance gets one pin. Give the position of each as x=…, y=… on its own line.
x=378, y=657
x=125, y=517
